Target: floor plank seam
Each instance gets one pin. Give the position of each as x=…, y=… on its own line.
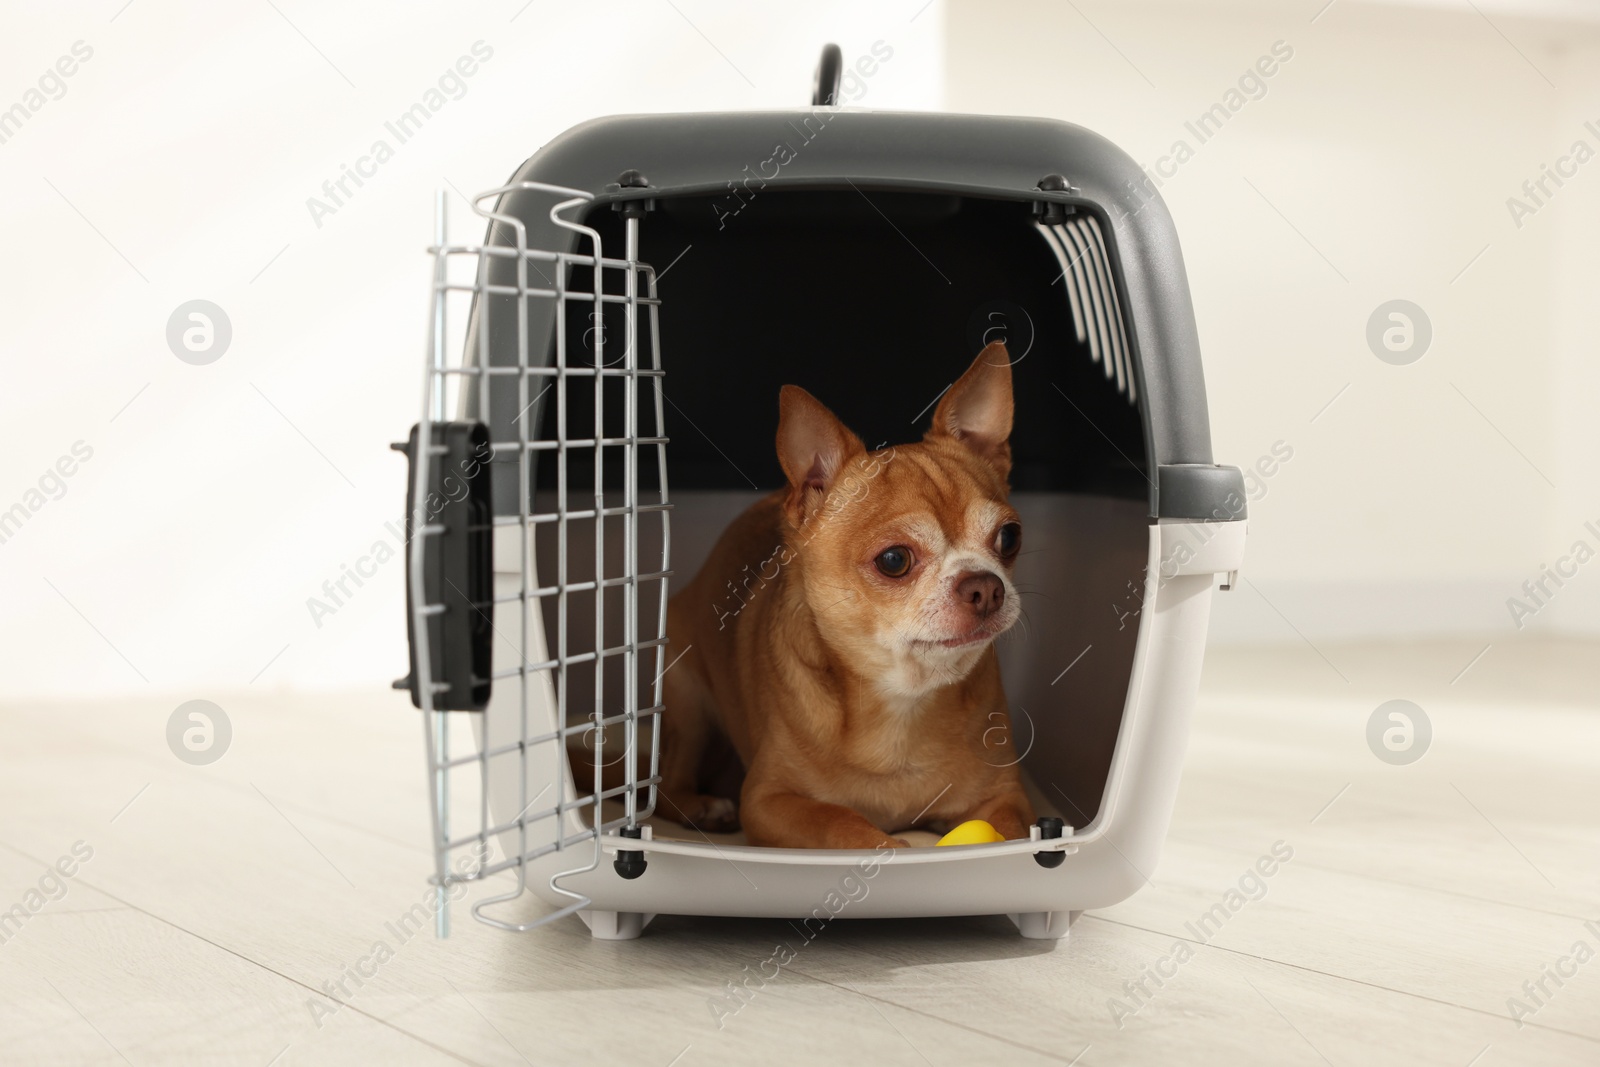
x=1339, y=977
x=927, y=1015
x=155, y=761
x=1393, y=881
x=263, y=966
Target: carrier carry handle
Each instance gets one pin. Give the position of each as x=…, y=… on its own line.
x=825, y=89
x=452, y=526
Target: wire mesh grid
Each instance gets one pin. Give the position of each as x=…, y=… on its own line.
x=531, y=776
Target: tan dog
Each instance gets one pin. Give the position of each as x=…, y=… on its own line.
x=841, y=635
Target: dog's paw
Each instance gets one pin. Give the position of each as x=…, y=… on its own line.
x=1013, y=821
x=868, y=838
x=721, y=816
x=712, y=815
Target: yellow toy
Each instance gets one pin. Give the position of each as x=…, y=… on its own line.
x=972, y=832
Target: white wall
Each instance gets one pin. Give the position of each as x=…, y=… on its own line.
x=191, y=140
x=1390, y=140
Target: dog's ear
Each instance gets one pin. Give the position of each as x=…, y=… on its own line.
x=977, y=409
x=813, y=446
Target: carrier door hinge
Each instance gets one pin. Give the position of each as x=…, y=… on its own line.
x=633, y=209
x=1049, y=828
x=1053, y=212
x=629, y=863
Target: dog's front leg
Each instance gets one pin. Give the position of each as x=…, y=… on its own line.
x=788, y=820
x=686, y=727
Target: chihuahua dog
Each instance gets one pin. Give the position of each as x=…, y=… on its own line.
x=852, y=669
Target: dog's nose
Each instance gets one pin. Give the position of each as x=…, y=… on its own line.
x=983, y=592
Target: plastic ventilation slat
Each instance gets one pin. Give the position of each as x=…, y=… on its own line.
x=1069, y=283
x=1080, y=278
x=1080, y=248
x=1095, y=311
x=1100, y=284
x=1120, y=323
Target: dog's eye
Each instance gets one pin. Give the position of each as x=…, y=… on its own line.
x=895, y=562
x=1008, y=540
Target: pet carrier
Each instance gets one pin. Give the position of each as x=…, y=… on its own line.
x=647, y=277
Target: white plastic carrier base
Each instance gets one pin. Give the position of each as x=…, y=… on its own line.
x=1106, y=861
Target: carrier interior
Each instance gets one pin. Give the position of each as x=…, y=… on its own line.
x=875, y=301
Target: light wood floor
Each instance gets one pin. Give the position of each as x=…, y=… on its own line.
x=221, y=899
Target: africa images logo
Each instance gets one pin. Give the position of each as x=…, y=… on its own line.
x=451, y=85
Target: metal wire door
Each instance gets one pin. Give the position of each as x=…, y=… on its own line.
x=539, y=774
